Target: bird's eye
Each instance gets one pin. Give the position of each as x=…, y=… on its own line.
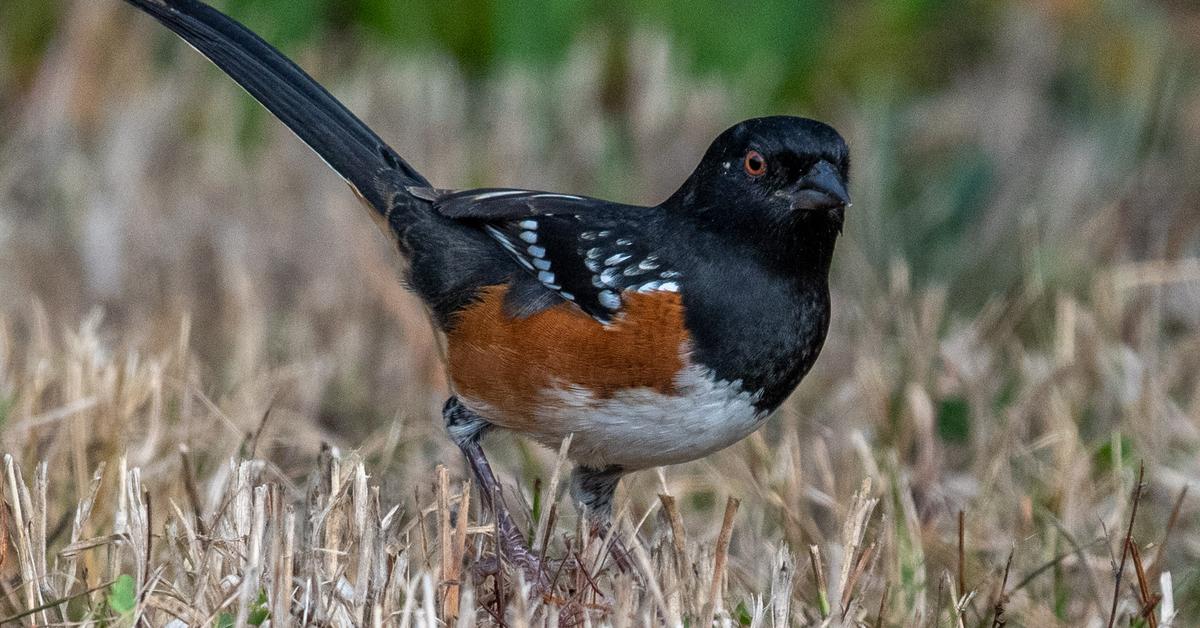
x=755, y=164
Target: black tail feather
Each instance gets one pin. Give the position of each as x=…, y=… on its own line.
x=312, y=113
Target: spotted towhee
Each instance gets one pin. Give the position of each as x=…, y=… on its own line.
x=655, y=335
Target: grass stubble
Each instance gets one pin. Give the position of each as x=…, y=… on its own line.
x=246, y=432
x=201, y=538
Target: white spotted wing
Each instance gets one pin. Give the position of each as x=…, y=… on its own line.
x=586, y=251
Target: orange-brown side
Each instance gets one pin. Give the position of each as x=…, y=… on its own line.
x=507, y=362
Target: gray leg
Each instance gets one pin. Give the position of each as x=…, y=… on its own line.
x=465, y=429
x=594, y=489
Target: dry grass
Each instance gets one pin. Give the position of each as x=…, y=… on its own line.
x=220, y=531
x=245, y=426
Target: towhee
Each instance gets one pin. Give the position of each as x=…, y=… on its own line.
x=655, y=335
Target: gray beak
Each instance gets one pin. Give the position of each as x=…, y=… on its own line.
x=821, y=188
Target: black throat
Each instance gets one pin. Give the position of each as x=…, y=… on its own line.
x=758, y=314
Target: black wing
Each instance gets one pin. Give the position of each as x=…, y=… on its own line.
x=499, y=203
x=582, y=250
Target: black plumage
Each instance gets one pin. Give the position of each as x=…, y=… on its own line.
x=743, y=249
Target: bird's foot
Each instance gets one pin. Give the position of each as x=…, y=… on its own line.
x=620, y=555
x=517, y=553
x=532, y=569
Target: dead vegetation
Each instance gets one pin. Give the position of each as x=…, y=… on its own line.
x=244, y=430
x=820, y=526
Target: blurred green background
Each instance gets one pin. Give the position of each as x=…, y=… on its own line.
x=1017, y=291
x=944, y=93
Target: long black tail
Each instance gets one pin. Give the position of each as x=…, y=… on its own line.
x=340, y=138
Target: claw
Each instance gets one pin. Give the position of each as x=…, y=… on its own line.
x=621, y=556
x=515, y=550
x=486, y=566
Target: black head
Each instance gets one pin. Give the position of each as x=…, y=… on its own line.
x=777, y=182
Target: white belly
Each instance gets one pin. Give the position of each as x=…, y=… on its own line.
x=640, y=428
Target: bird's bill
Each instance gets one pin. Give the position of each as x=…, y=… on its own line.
x=821, y=189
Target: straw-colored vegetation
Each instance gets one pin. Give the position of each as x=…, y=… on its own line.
x=219, y=407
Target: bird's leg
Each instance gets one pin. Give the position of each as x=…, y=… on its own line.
x=466, y=428
x=593, y=489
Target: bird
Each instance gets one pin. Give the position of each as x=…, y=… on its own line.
x=651, y=335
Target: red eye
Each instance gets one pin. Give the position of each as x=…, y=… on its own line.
x=755, y=164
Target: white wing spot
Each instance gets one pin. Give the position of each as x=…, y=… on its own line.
x=528, y=236
x=587, y=235
x=508, y=246
x=617, y=259
x=546, y=277
x=609, y=299
x=669, y=286
x=650, y=286
x=487, y=195
x=530, y=225
x=609, y=276
x=597, y=281
x=648, y=263
x=624, y=242
x=537, y=251
x=594, y=253
x=541, y=263
x=567, y=295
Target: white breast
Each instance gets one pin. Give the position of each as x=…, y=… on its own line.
x=641, y=427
